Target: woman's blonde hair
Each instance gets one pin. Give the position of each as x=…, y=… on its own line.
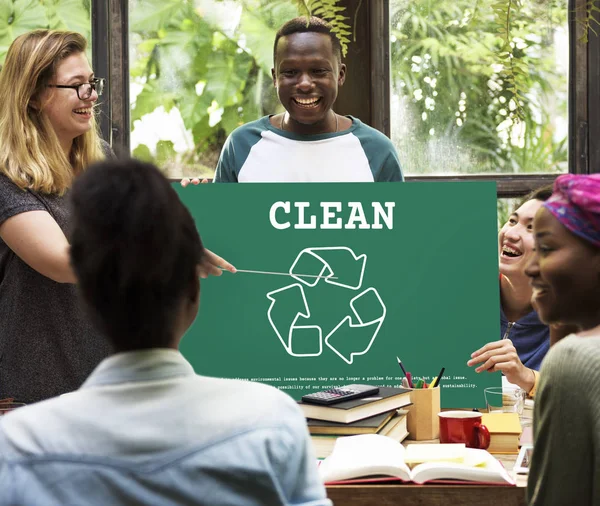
x=30, y=153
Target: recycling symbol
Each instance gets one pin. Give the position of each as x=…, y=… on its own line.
x=302, y=331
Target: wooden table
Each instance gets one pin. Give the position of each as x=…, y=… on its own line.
x=432, y=495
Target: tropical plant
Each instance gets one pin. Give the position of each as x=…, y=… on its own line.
x=472, y=78
x=20, y=16
x=591, y=19
x=455, y=95
x=212, y=62
x=333, y=13
x=212, y=65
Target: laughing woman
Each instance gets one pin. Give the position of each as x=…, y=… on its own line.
x=47, y=137
x=524, y=338
x=565, y=276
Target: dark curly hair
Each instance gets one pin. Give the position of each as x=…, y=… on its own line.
x=135, y=251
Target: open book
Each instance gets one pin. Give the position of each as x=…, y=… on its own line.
x=374, y=455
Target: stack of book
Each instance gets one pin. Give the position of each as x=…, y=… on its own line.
x=371, y=415
x=505, y=432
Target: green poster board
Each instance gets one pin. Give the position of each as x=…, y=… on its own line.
x=407, y=270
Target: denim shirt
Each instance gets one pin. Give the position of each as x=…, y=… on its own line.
x=145, y=429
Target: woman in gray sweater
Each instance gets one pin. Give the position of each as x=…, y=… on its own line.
x=565, y=277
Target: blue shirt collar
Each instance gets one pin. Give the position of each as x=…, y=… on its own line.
x=141, y=365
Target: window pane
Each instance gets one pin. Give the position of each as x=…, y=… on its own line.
x=199, y=70
x=452, y=108
x=505, y=207
x=20, y=17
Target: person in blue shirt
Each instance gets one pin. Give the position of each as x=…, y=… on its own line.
x=309, y=142
x=524, y=339
x=144, y=428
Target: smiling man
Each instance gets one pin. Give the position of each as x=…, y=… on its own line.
x=309, y=142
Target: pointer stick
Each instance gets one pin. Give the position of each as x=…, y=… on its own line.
x=285, y=274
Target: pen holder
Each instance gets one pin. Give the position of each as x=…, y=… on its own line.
x=422, y=419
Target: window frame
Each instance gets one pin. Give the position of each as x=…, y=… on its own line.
x=110, y=58
x=366, y=92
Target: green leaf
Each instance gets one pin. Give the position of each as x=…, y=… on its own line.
x=226, y=77
x=152, y=15
x=193, y=108
x=165, y=152
x=69, y=15
x=259, y=39
x=202, y=133
x=19, y=17
x=231, y=119
x=149, y=99
x=16, y=18
x=142, y=152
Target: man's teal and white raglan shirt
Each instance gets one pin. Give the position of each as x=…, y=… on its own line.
x=259, y=152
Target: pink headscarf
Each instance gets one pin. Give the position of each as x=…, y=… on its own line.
x=575, y=202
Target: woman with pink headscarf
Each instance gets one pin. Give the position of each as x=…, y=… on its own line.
x=565, y=277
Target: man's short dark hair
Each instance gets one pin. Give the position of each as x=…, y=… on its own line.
x=135, y=250
x=316, y=25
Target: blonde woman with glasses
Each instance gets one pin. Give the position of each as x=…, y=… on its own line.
x=48, y=136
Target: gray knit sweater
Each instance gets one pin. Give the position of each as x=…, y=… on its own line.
x=565, y=468
x=47, y=345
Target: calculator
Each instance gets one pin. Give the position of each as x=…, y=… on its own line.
x=340, y=394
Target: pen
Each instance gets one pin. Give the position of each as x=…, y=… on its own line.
x=407, y=374
x=436, y=381
x=409, y=378
x=401, y=366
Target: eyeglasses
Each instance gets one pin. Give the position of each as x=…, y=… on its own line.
x=84, y=90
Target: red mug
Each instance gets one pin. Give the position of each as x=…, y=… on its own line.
x=464, y=427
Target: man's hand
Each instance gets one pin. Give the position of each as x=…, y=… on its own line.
x=502, y=356
x=186, y=180
x=213, y=265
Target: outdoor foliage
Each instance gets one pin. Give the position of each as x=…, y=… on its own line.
x=214, y=65
x=211, y=60
x=335, y=15
x=20, y=16
x=590, y=21
x=477, y=85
